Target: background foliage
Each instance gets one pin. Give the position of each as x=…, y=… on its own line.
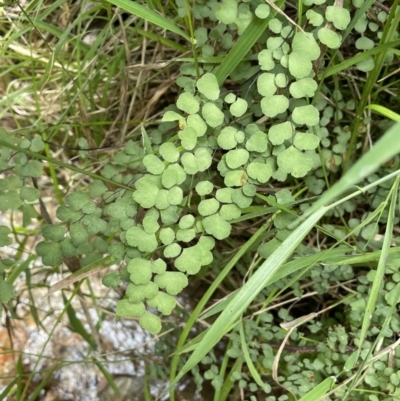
x=233, y=153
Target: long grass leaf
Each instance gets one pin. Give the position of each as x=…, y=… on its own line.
x=149, y=15
x=250, y=36
x=384, y=111
x=249, y=291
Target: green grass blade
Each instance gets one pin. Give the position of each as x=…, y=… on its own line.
x=250, y=36
x=149, y=15
x=7, y=391
x=346, y=64
x=76, y=324
x=108, y=377
x=384, y=111
x=387, y=147
x=39, y=387
x=253, y=371
x=213, y=287
x=380, y=271
x=249, y=291
x=317, y=392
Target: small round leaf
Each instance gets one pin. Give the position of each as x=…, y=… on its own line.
x=236, y=158
x=271, y=106
x=150, y=322
x=238, y=108
x=294, y=162
x=173, y=282
x=208, y=86
x=212, y=114
x=308, y=115
x=216, y=226
x=329, y=38
x=153, y=164
x=188, y=103
x=127, y=309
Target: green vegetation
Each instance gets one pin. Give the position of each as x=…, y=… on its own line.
x=246, y=148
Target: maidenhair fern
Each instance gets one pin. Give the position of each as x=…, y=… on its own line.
x=271, y=128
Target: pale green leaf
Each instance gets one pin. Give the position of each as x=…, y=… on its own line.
x=139, y=292
x=169, y=152
x=265, y=59
x=29, y=194
x=238, y=108
x=188, y=103
x=262, y=11
x=172, y=250
x=259, y=171
x=125, y=308
x=204, y=188
x=271, y=106
x=10, y=201
x=339, y=16
x=140, y=270
x=266, y=84
x=212, y=115
x=173, y=282
x=153, y=164
x=230, y=212
x=224, y=195
x=329, y=38
x=186, y=221
x=304, y=42
x=227, y=12
x=76, y=200
x=226, y=138
x=279, y=133
x=216, y=226
x=196, y=122
x=294, y=162
x=175, y=195
x=37, y=144
x=137, y=237
x=188, y=137
x=208, y=207
x=189, y=163
x=189, y=260
x=164, y=303
x=150, y=322
x=150, y=225
x=236, y=158
x=6, y=291
x=236, y=178
x=203, y=158
x=208, y=86
x=314, y=18
x=258, y=142
x=305, y=87
x=299, y=64
x=174, y=174
x=167, y=235
x=308, y=115
x=111, y=280
x=305, y=141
